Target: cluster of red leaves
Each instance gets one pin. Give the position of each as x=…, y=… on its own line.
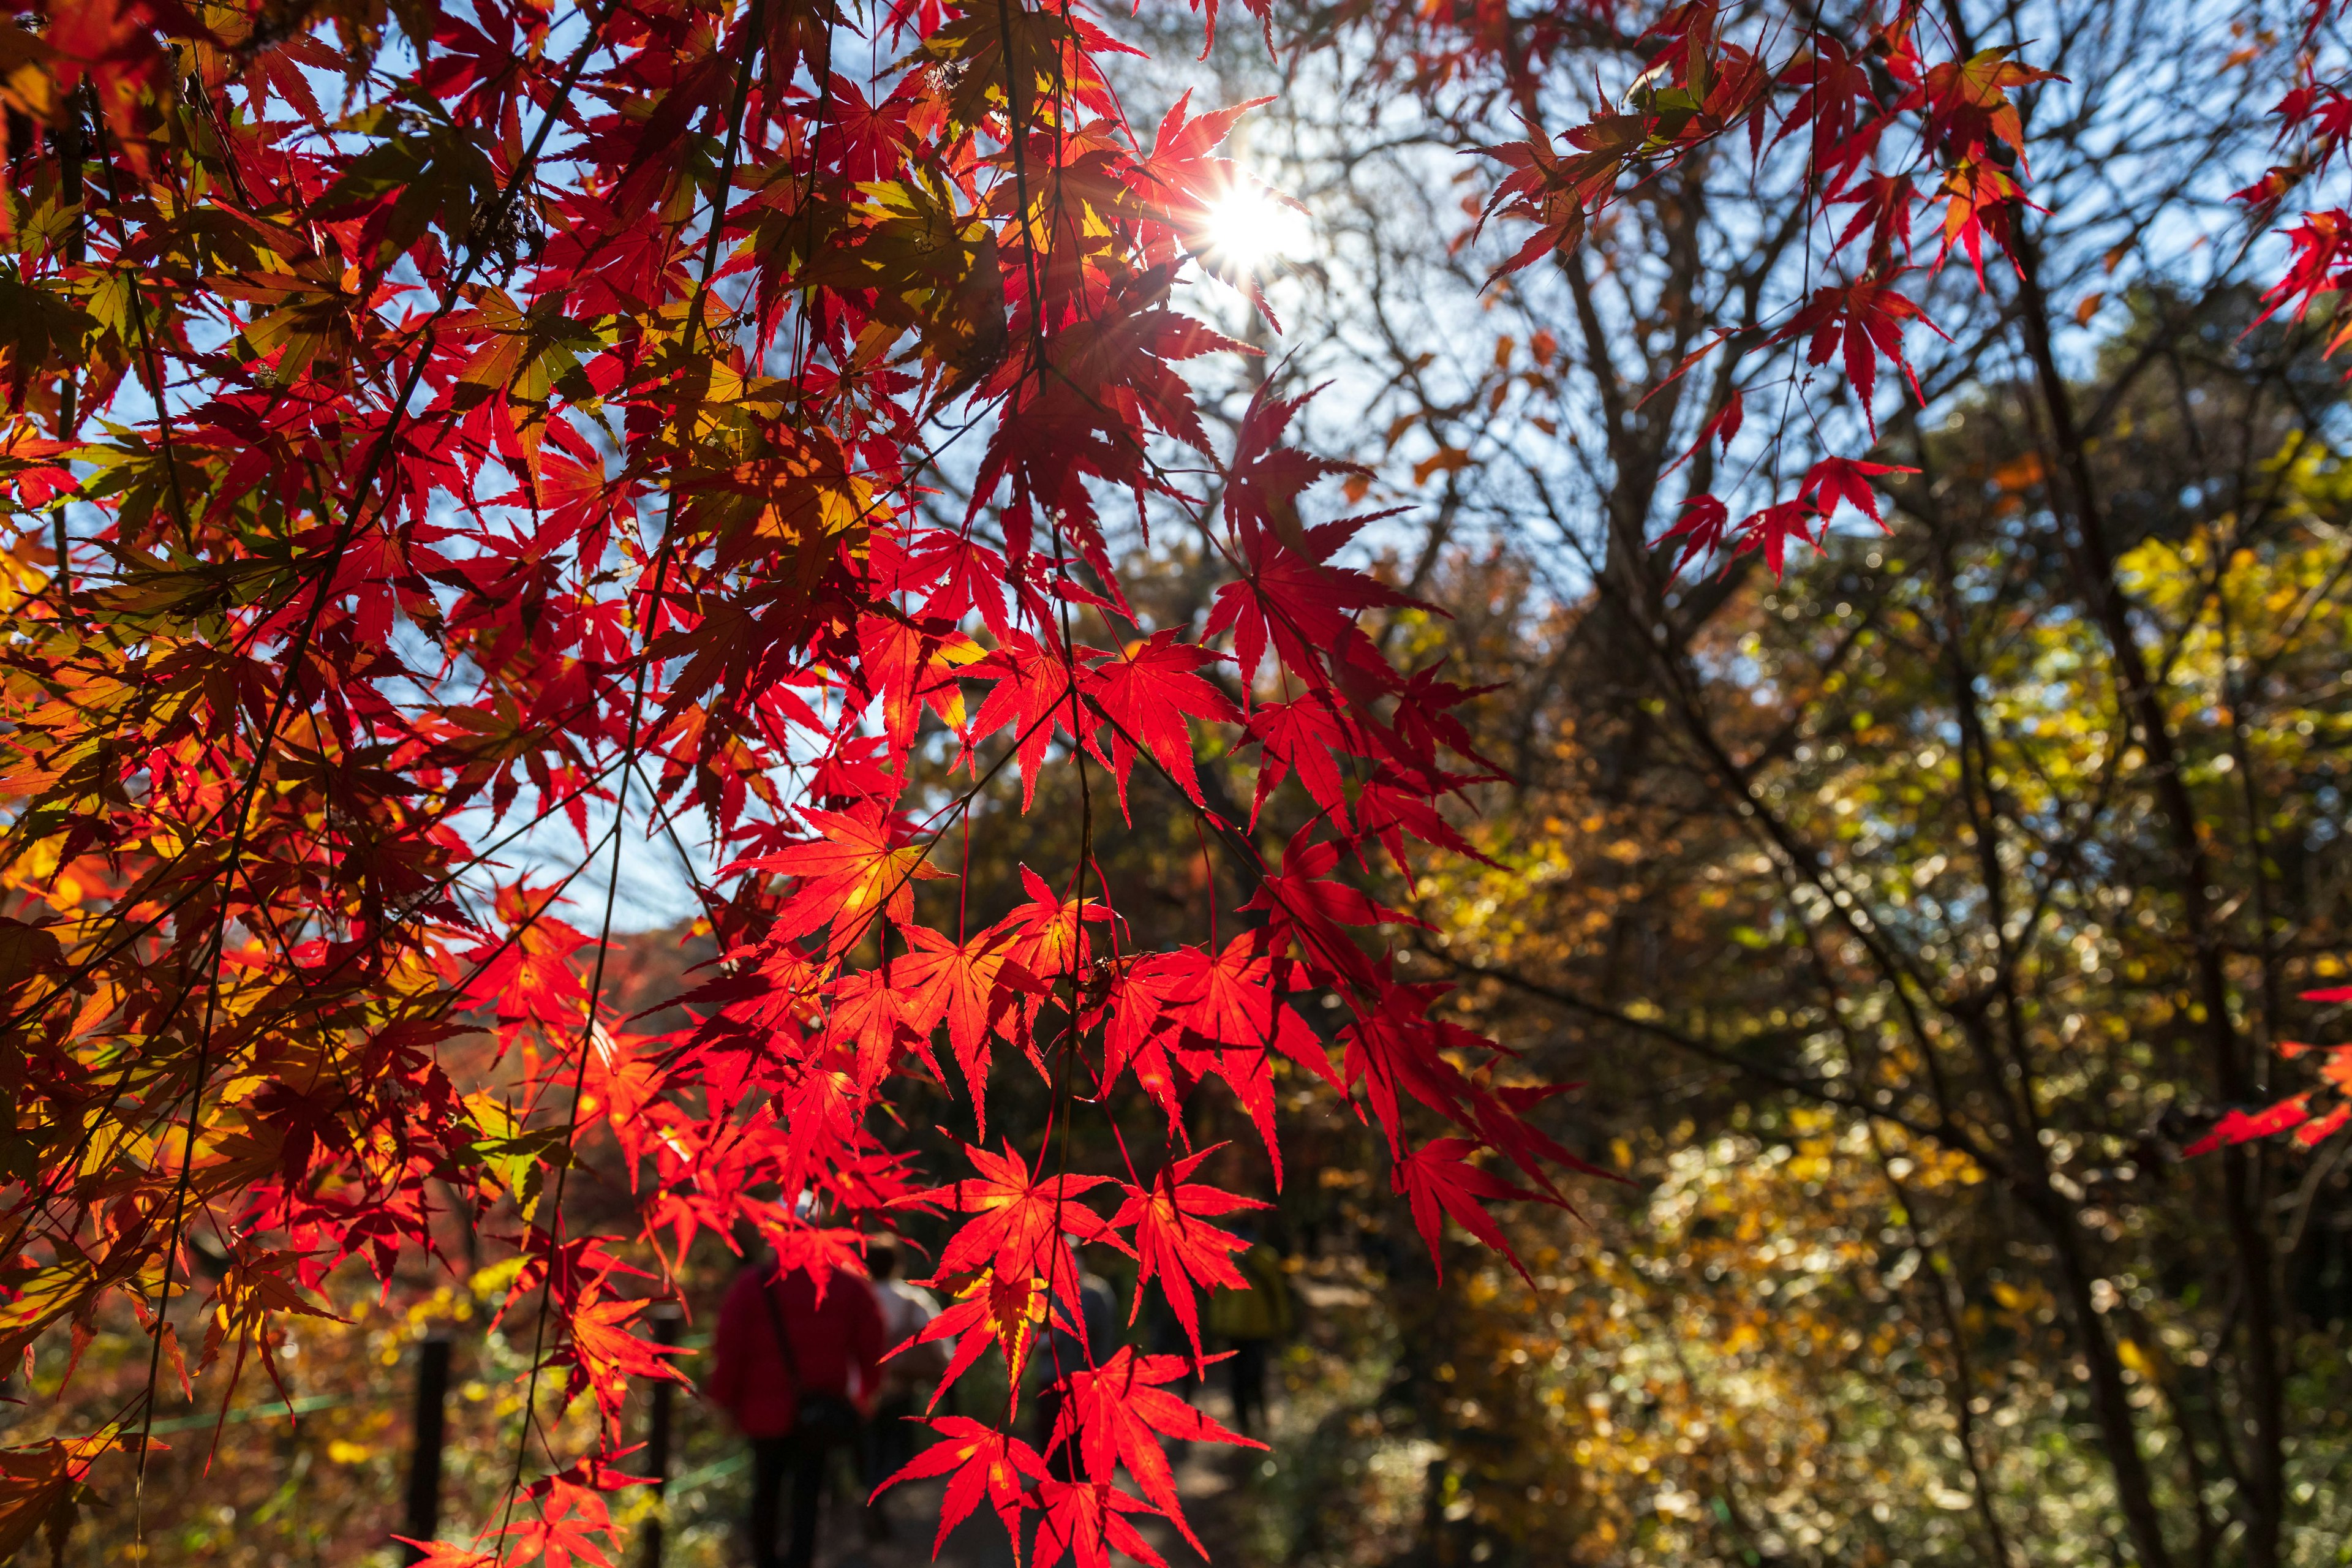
x=1894, y=118
x=2294, y=1113
x=2315, y=124
x=434, y=419
x=2315, y=121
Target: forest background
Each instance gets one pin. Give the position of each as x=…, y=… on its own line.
x=1905, y=911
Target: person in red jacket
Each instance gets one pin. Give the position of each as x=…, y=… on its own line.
x=795, y=1369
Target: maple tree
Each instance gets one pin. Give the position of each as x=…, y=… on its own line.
x=426, y=424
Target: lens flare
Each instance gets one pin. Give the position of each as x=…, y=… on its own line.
x=1250, y=230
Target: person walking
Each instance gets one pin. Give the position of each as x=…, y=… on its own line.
x=1066, y=1353
x=1251, y=1323
x=792, y=1363
x=907, y=1378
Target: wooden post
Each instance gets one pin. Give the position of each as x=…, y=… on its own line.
x=429, y=1427
x=666, y=1319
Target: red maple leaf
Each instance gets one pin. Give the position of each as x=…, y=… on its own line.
x=854, y=872
x=980, y=1463
x=1175, y=1244
x=1227, y=998
x=1866, y=320
x=1836, y=480
x=969, y=986
x=1116, y=1415
x=1049, y=939
x=1086, y=1521
x=1147, y=691
x=530, y=975
x=1031, y=690
x=991, y=1309
x=569, y=1519
x=2238, y=1126
x=1702, y=526
x=604, y=1355
x=1437, y=1177
x=1018, y=1219
x=1181, y=176
x=1309, y=736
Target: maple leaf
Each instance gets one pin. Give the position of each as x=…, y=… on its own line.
x=821, y=1252
x=1086, y=1521
x=1303, y=901
x=1308, y=734
x=606, y=1356
x=1395, y=1049
x=2320, y=267
x=1981, y=198
x=981, y=1463
x=1966, y=103
x=1018, y=1220
x=530, y=976
x=850, y=874
x=1180, y=171
x=1389, y=805
x=1137, y=1028
x=1882, y=203
x=256, y=1286
x=1117, y=1413
x=621, y=1082
x=1836, y=480
x=1303, y=610
x=1549, y=191
x=969, y=986
x=1228, y=997
x=1770, y=527
x=1721, y=428
x=964, y=575
x=1031, y=689
x=991, y=1309
x=2238, y=1126
x=1048, y=938
x=1436, y=1177
x=2321, y=1128
x=895, y=656
x=865, y=140
x=36, y=1494
x=1836, y=87
x=1175, y=1245
x=569, y=1519
x=1864, y=319
x=1703, y=526
x=1147, y=691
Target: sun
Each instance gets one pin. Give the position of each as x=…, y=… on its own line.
x=1250, y=231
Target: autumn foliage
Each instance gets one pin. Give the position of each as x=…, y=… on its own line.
x=428, y=420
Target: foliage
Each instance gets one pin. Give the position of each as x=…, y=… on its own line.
x=424, y=424
x=430, y=428
x=1897, y=1020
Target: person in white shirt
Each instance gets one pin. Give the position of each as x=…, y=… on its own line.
x=893, y=1432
